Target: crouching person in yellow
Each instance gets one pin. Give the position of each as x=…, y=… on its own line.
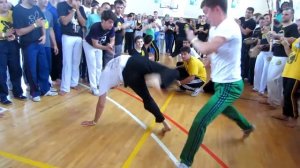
x=192, y=72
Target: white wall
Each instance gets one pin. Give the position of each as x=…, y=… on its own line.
x=192, y=11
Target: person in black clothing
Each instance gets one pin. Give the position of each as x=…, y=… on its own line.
x=202, y=29
x=274, y=81
x=181, y=26
x=151, y=48
x=247, y=25
x=139, y=49
x=169, y=34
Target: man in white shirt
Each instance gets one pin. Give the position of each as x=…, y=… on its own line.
x=158, y=26
x=132, y=71
x=223, y=49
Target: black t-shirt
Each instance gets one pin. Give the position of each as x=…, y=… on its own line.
x=143, y=53
x=250, y=24
x=181, y=35
x=139, y=24
x=119, y=34
x=73, y=28
x=172, y=26
x=98, y=33
x=289, y=31
x=23, y=17
x=202, y=36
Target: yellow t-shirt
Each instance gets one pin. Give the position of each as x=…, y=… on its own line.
x=6, y=22
x=292, y=66
x=195, y=67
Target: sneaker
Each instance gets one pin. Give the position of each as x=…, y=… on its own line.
x=182, y=165
x=50, y=93
x=95, y=92
x=196, y=92
x=248, y=131
x=36, y=99
x=52, y=89
x=5, y=101
x=21, y=97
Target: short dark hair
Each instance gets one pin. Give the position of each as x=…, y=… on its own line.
x=130, y=15
x=291, y=9
x=214, y=3
x=138, y=38
x=105, y=3
x=250, y=9
x=185, y=49
x=108, y=14
x=119, y=2
x=148, y=39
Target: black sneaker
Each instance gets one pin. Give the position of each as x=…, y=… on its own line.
x=21, y=97
x=5, y=101
x=248, y=131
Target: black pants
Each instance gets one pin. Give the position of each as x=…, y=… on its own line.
x=129, y=41
x=178, y=46
x=196, y=83
x=56, y=69
x=290, y=88
x=134, y=77
x=209, y=87
x=251, y=70
x=245, y=61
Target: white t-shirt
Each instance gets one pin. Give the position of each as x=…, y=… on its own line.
x=112, y=76
x=194, y=53
x=158, y=21
x=226, y=62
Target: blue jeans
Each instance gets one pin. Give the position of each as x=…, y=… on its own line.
x=10, y=58
x=157, y=39
x=118, y=50
x=36, y=69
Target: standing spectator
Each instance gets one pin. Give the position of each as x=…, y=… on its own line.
x=274, y=79
x=291, y=80
x=29, y=24
x=50, y=36
x=56, y=68
x=202, y=29
x=129, y=34
x=169, y=34
x=9, y=56
x=72, y=18
x=138, y=26
x=119, y=27
x=96, y=17
x=158, y=26
x=94, y=43
x=247, y=25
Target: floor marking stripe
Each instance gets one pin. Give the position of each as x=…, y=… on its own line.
x=180, y=127
x=145, y=136
x=25, y=160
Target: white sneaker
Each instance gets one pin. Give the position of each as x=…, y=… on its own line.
x=182, y=165
x=50, y=93
x=36, y=99
x=196, y=92
x=52, y=89
x=95, y=92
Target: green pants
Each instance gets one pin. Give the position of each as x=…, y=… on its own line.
x=220, y=102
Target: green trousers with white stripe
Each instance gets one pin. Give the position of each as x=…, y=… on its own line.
x=220, y=102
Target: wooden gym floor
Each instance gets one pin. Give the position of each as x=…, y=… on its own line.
x=48, y=134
